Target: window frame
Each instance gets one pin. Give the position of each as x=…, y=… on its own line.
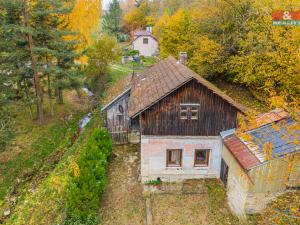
x=167, y=158
x=147, y=42
x=185, y=111
x=190, y=109
x=206, y=159
x=194, y=109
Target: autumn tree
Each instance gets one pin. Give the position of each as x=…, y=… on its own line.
x=85, y=19
x=236, y=41
x=104, y=51
x=136, y=18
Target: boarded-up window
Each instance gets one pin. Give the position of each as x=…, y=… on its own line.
x=174, y=157
x=202, y=157
x=145, y=40
x=189, y=111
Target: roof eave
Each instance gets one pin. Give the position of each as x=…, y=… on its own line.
x=115, y=99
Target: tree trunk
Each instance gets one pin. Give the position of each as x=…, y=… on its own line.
x=59, y=96
x=36, y=76
x=50, y=95
x=27, y=94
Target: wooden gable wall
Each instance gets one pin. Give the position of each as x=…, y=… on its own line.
x=215, y=114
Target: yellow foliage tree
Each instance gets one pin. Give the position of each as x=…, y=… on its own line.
x=85, y=19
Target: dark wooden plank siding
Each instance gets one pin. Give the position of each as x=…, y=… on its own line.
x=215, y=114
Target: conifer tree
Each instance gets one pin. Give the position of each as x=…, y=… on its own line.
x=112, y=19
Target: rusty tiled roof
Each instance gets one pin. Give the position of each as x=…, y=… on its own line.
x=162, y=79
x=241, y=152
x=272, y=116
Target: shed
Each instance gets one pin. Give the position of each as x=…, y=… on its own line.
x=252, y=175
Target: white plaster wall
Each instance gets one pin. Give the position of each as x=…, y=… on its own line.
x=149, y=49
x=153, y=157
x=236, y=195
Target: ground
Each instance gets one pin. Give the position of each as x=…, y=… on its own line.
x=191, y=202
x=122, y=201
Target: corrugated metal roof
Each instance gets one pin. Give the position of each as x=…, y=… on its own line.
x=283, y=135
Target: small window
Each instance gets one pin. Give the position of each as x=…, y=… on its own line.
x=194, y=112
x=145, y=40
x=202, y=157
x=121, y=109
x=174, y=157
x=183, y=112
x=189, y=111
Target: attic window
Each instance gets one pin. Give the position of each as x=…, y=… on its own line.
x=145, y=41
x=189, y=111
x=121, y=110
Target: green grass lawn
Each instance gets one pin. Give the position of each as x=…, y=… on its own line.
x=117, y=71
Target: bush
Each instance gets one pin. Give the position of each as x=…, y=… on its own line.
x=88, y=179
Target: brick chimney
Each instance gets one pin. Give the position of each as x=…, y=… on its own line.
x=183, y=58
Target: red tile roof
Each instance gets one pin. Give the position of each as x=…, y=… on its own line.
x=240, y=151
x=162, y=79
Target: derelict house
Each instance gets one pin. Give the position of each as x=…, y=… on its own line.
x=186, y=129
x=181, y=116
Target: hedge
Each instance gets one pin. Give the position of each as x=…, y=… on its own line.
x=88, y=179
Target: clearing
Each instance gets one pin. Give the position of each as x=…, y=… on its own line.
x=191, y=202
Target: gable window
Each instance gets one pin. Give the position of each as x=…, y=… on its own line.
x=189, y=111
x=145, y=41
x=202, y=157
x=174, y=157
x=183, y=112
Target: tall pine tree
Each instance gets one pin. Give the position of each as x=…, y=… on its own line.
x=34, y=49
x=112, y=19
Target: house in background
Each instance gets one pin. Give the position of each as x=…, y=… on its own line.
x=145, y=43
x=252, y=178
x=180, y=116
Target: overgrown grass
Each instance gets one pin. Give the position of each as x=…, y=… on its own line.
x=47, y=204
x=219, y=212
x=51, y=138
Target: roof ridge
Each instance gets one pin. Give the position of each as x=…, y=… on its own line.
x=168, y=75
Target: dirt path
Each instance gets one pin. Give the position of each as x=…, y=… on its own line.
x=122, y=202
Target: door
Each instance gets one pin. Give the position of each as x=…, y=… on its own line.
x=224, y=172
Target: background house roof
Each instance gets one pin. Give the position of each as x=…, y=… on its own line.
x=282, y=134
x=162, y=79
x=140, y=33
